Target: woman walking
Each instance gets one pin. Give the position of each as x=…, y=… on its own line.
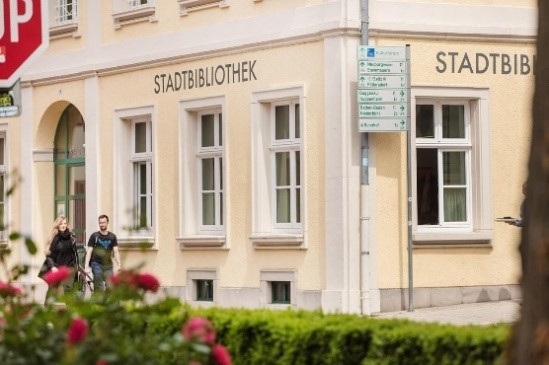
x=61, y=249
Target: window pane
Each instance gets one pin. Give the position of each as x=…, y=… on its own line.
x=454, y=168
x=208, y=134
x=453, y=121
x=140, y=137
x=208, y=209
x=427, y=186
x=60, y=183
x=297, y=126
x=2, y=146
x=425, y=121
x=208, y=174
x=220, y=130
x=282, y=122
x=283, y=206
x=282, y=168
x=298, y=205
x=298, y=168
x=221, y=173
x=2, y=198
x=455, y=206
x=280, y=292
x=221, y=208
x=143, y=212
x=204, y=290
x=142, y=178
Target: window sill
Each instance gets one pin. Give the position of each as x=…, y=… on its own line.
x=201, y=241
x=452, y=239
x=144, y=13
x=135, y=242
x=294, y=241
x=185, y=6
x=64, y=30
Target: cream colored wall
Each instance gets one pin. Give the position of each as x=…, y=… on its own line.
x=520, y=3
x=510, y=118
x=171, y=20
x=72, y=42
x=238, y=266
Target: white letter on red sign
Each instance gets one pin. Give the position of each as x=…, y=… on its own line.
x=16, y=19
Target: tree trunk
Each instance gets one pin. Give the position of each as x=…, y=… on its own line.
x=530, y=342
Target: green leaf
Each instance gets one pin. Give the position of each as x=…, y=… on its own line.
x=31, y=246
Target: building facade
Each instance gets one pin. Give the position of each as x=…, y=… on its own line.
x=221, y=138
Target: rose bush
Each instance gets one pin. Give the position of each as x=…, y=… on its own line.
x=110, y=328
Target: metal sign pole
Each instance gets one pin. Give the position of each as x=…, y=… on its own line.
x=409, y=183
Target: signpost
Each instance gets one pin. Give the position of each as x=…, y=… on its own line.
x=24, y=35
x=383, y=89
x=384, y=106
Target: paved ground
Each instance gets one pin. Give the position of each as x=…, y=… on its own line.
x=476, y=313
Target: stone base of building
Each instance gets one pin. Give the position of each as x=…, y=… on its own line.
x=393, y=300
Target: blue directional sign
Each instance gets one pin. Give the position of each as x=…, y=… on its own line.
x=383, y=94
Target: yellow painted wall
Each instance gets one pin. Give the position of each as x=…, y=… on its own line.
x=510, y=119
x=240, y=265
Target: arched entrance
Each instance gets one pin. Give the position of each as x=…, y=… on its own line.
x=70, y=177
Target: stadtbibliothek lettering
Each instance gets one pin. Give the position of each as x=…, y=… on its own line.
x=229, y=73
x=480, y=63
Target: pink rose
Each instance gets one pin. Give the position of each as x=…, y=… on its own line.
x=199, y=328
x=62, y=274
x=8, y=290
x=221, y=355
x=77, y=331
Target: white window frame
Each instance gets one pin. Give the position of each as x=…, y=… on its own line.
x=139, y=159
x=478, y=230
x=186, y=6
x=132, y=11
x=60, y=24
x=216, y=153
x=193, y=234
x=291, y=145
x=266, y=233
x=4, y=174
x=125, y=189
x=442, y=145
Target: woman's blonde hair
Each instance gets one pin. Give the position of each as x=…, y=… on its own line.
x=55, y=230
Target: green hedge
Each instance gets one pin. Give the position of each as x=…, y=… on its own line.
x=266, y=337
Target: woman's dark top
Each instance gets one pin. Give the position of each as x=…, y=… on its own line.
x=62, y=251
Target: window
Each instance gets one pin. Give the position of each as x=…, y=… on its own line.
x=63, y=17
x=280, y=292
x=451, y=164
x=285, y=159
x=134, y=176
x=278, y=288
x=204, y=290
x=203, y=203
x=202, y=286
x=131, y=11
x=3, y=185
x=191, y=5
x=210, y=168
x=443, y=166
x=277, y=140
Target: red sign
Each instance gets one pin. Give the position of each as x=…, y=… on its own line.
x=24, y=35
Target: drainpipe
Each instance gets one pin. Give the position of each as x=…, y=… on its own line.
x=365, y=262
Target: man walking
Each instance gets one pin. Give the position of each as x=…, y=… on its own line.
x=102, y=246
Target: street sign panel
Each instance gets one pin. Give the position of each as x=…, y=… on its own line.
x=24, y=35
x=383, y=89
x=383, y=96
x=382, y=53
